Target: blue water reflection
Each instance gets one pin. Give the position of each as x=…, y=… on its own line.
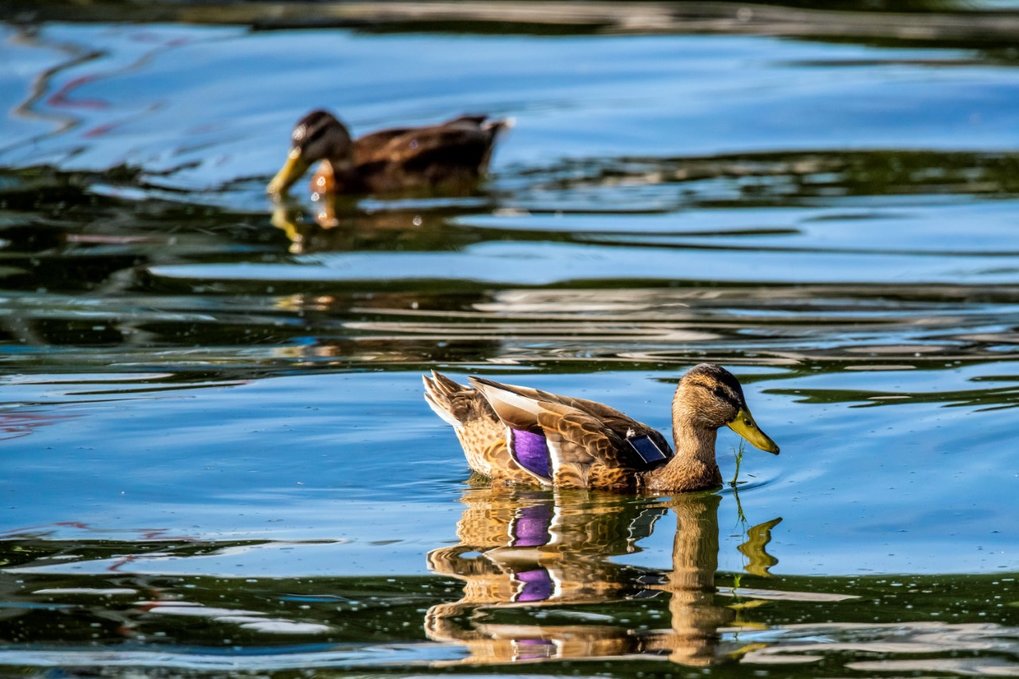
x=356, y=459
x=216, y=457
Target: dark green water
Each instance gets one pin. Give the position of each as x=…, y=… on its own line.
x=216, y=458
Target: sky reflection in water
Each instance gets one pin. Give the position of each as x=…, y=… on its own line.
x=216, y=455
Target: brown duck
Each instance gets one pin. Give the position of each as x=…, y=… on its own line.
x=521, y=435
x=449, y=156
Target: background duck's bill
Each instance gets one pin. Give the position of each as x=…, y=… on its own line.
x=292, y=169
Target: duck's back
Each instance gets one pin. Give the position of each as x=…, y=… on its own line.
x=451, y=156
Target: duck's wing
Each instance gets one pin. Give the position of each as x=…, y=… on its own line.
x=454, y=150
x=565, y=441
x=368, y=147
x=371, y=145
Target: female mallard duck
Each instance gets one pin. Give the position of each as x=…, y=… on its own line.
x=520, y=435
x=451, y=155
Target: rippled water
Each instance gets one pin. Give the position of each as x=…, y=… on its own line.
x=216, y=457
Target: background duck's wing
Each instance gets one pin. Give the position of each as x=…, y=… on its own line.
x=368, y=147
x=573, y=442
x=456, y=149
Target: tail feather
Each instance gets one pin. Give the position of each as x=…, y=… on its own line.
x=495, y=129
x=481, y=433
x=447, y=385
x=439, y=392
x=499, y=126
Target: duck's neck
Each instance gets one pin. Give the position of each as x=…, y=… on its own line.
x=694, y=466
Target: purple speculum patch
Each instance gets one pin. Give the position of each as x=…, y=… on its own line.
x=530, y=450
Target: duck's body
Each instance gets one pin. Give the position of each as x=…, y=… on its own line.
x=521, y=435
x=450, y=156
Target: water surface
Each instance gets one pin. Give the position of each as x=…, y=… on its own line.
x=216, y=455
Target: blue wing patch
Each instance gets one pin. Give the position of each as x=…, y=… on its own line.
x=648, y=450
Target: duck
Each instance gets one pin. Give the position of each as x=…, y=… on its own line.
x=450, y=156
x=519, y=435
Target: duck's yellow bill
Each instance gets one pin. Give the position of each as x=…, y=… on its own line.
x=291, y=171
x=745, y=426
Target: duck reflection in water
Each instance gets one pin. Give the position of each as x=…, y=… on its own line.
x=339, y=223
x=320, y=232
x=519, y=549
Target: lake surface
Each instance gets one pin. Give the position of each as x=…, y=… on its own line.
x=216, y=458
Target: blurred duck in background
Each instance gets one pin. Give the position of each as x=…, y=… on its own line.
x=448, y=157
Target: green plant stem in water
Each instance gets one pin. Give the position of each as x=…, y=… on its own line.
x=739, y=460
x=739, y=505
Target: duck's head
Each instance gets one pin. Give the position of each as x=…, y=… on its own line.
x=709, y=396
x=316, y=136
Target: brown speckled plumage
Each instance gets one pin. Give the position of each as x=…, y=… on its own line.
x=481, y=434
x=588, y=444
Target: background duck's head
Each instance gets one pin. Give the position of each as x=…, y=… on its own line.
x=316, y=136
x=708, y=397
